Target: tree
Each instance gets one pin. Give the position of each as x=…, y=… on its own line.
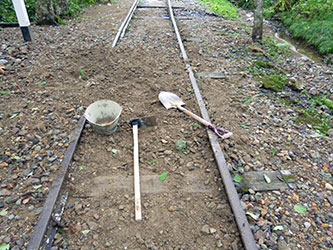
x=48, y=11
x=258, y=21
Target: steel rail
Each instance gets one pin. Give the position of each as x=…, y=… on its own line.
x=43, y=221
x=125, y=23
x=241, y=220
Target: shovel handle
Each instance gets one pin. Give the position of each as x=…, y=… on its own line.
x=137, y=194
x=216, y=130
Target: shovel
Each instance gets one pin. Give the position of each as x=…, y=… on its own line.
x=170, y=100
x=136, y=124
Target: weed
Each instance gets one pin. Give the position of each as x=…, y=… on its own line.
x=273, y=82
x=273, y=151
x=317, y=121
x=222, y=8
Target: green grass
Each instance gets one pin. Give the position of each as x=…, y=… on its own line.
x=273, y=82
x=317, y=121
x=222, y=8
x=317, y=31
x=7, y=12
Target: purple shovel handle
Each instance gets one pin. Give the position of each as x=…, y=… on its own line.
x=218, y=132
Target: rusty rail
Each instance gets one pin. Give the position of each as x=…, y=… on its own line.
x=241, y=220
x=45, y=216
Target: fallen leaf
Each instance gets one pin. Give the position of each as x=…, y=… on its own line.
x=238, y=178
x=267, y=179
x=163, y=176
x=114, y=151
x=256, y=49
x=37, y=186
x=4, y=212
x=254, y=216
x=264, y=211
x=14, y=115
x=300, y=209
x=70, y=110
x=25, y=201
x=3, y=164
x=4, y=91
x=278, y=228
x=245, y=126
x=328, y=186
x=2, y=72
x=85, y=231
x=4, y=246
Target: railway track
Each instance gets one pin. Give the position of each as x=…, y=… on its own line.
x=50, y=218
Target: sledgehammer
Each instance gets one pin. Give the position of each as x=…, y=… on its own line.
x=136, y=124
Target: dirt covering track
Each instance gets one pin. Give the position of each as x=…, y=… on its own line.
x=53, y=80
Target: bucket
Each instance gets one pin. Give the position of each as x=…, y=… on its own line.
x=103, y=115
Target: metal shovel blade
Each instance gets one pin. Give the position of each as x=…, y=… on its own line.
x=170, y=100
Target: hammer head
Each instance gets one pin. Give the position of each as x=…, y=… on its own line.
x=144, y=122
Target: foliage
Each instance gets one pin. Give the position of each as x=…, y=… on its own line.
x=7, y=12
x=222, y=8
x=317, y=31
x=310, y=20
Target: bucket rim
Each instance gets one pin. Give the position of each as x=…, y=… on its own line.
x=104, y=124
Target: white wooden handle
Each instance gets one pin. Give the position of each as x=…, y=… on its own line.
x=198, y=118
x=137, y=195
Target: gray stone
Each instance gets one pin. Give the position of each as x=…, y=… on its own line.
x=205, y=229
x=257, y=181
x=35, y=181
x=3, y=61
x=330, y=132
x=5, y=192
x=168, y=152
x=283, y=245
x=315, y=155
x=307, y=224
x=53, y=158
x=20, y=242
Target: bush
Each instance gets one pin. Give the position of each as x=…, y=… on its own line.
x=7, y=12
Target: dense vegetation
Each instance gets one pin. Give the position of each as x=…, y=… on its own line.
x=311, y=20
x=7, y=13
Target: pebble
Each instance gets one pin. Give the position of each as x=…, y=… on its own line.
x=167, y=152
x=307, y=224
x=5, y=192
x=3, y=61
x=330, y=132
x=315, y=155
x=205, y=229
